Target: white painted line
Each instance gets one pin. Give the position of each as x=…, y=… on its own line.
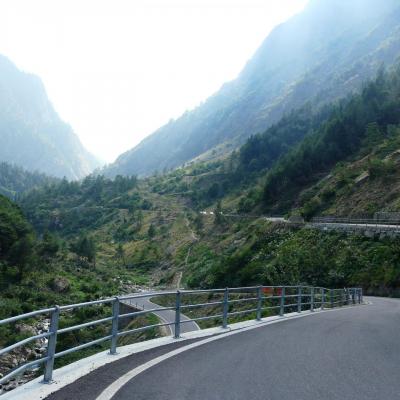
x=183, y=318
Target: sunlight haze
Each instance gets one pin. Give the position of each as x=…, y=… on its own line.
x=118, y=70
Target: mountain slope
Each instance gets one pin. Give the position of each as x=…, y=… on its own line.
x=367, y=118
x=317, y=56
x=16, y=180
x=163, y=225
x=31, y=133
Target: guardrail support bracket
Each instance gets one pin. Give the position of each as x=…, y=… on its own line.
x=51, y=345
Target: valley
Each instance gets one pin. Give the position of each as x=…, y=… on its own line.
x=220, y=197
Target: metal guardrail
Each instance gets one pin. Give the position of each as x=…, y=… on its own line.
x=356, y=221
x=295, y=298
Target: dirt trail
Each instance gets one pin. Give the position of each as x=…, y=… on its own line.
x=194, y=239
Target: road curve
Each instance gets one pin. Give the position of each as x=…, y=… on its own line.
x=351, y=353
x=166, y=316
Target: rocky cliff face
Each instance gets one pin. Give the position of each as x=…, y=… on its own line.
x=32, y=135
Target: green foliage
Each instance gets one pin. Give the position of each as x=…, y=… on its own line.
x=15, y=180
x=248, y=202
x=120, y=253
x=304, y=256
x=16, y=236
x=361, y=118
x=219, y=218
x=198, y=222
x=311, y=208
x=380, y=168
x=49, y=246
x=85, y=247
x=261, y=151
x=151, y=232
x=68, y=207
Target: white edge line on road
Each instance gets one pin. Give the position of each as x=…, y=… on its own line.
x=112, y=389
x=154, y=312
x=183, y=317
x=163, y=319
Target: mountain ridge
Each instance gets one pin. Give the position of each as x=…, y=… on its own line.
x=32, y=135
x=289, y=69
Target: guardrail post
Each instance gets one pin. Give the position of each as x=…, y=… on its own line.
x=178, y=315
x=282, y=305
x=51, y=345
x=331, y=297
x=259, y=303
x=225, y=309
x=322, y=298
x=299, y=299
x=114, y=328
x=312, y=300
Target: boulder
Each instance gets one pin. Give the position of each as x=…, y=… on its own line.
x=60, y=284
x=26, y=329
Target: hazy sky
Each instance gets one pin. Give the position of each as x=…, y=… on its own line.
x=116, y=70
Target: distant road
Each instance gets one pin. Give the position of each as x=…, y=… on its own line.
x=349, y=354
x=166, y=316
x=339, y=225
x=366, y=229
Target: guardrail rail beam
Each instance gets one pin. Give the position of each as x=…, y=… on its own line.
x=278, y=297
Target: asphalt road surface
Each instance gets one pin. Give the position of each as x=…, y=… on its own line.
x=345, y=354
x=166, y=316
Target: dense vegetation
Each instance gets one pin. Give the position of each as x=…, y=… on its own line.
x=38, y=271
x=263, y=150
x=69, y=207
x=365, y=121
x=15, y=180
x=99, y=237
x=203, y=224
x=16, y=238
x=277, y=256
x=155, y=226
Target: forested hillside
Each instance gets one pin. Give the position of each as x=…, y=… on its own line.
x=16, y=180
x=225, y=196
x=361, y=123
x=204, y=225
x=39, y=270
x=339, y=159
x=32, y=135
x=318, y=56
x=85, y=205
